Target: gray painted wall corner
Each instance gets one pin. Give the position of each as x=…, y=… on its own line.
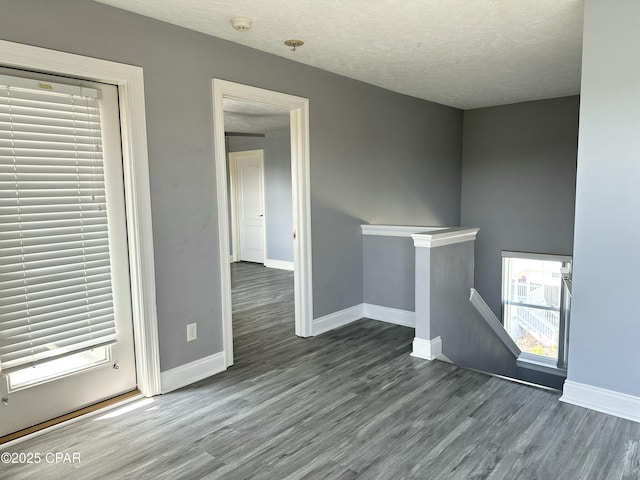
x=467, y=340
x=604, y=332
x=518, y=183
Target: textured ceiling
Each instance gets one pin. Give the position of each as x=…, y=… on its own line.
x=248, y=117
x=462, y=53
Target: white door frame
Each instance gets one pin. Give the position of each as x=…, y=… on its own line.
x=235, y=208
x=301, y=196
x=130, y=82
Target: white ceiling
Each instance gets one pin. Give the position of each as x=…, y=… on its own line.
x=462, y=53
x=248, y=117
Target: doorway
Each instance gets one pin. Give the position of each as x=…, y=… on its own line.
x=248, y=227
x=65, y=305
x=298, y=109
x=130, y=85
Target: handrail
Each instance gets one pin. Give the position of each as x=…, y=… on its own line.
x=483, y=309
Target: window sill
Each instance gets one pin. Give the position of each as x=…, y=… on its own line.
x=539, y=364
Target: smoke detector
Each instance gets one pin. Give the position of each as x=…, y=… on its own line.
x=241, y=23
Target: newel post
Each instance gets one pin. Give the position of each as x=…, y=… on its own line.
x=444, y=270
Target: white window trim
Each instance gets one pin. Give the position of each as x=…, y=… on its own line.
x=549, y=257
x=130, y=82
x=540, y=364
x=529, y=360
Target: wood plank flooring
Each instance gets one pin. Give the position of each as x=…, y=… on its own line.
x=349, y=404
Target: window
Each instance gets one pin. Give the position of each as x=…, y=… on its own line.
x=58, y=367
x=55, y=268
x=535, y=303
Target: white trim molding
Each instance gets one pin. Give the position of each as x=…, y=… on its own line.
x=130, y=82
x=444, y=236
x=235, y=204
x=601, y=400
x=340, y=318
x=548, y=257
x=395, y=230
x=489, y=317
x=192, y=372
x=279, y=264
x=531, y=362
x=337, y=319
x=389, y=315
x=427, y=349
x=301, y=196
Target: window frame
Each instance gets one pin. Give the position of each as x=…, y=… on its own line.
x=540, y=362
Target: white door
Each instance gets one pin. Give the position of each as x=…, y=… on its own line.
x=66, y=335
x=249, y=169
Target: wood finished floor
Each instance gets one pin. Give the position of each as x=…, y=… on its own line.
x=349, y=404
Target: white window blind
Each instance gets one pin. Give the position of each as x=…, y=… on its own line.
x=55, y=270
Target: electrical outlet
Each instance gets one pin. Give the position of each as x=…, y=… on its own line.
x=192, y=331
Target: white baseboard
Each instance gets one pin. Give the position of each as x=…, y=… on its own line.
x=192, y=372
x=279, y=264
x=601, y=400
x=337, y=319
x=368, y=310
x=390, y=315
x=427, y=349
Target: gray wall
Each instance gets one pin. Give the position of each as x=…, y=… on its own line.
x=518, y=183
x=605, y=331
x=375, y=159
x=376, y=156
x=277, y=178
x=277, y=185
x=467, y=339
x=389, y=271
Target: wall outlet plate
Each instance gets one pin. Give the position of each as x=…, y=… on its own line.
x=192, y=331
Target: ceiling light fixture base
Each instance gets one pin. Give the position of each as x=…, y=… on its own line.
x=293, y=44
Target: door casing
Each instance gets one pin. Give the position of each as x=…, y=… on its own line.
x=100, y=381
x=236, y=207
x=130, y=82
x=301, y=198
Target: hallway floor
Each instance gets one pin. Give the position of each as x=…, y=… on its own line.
x=348, y=404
